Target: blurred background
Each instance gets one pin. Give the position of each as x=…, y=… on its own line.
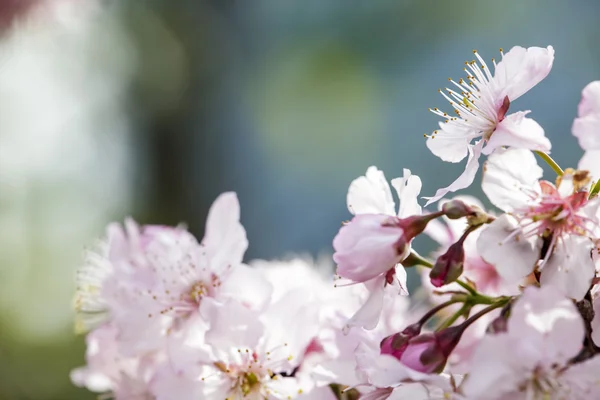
x=152, y=108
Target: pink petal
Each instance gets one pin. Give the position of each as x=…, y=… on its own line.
x=546, y=317
x=590, y=100
x=225, y=238
x=587, y=131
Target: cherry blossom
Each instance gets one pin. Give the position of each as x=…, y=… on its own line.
x=371, y=247
x=481, y=104
x=508, y=308
x=532, y=358
x=546, y=228
x=151, y=279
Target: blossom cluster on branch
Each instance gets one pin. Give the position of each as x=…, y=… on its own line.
x=506, y=309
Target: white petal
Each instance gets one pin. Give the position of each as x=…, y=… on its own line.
x=466, y=178
x=451, y=142
x=516, y=130
x=368, y=315
x=521, y=69
x=570, y=268
x=510, y=178
x=514, y=258
x=590, y=100
x=225, y=238
x=582, y=379
x=370, y=194
x=587, y=131
x=492, y=369
x=247, y=285
x=546, y=317
x=232, y=326
x=591, y=162
x=408, y=189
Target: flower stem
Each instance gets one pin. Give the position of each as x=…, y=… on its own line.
x=447, y=323
x=416, y=259
x=550, y=162
x=468, y=288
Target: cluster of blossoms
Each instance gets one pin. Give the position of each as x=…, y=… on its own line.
x=506, y=309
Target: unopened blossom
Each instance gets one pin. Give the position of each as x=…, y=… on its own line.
x=533, y=358
x=586, y=128
x=446, y=232
x=479, y=122
x=370, y=248
x=547, y=227
x=385, y=377
x=151, y=279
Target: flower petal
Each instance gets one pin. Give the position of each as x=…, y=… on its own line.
x=570, y=268
x=466, y=178
x=546, y=317
x=516, y=130
x=408, y=188
x=590, y=100
x=514, y=257
x=510, y=178
x=521, y=69
x=225, y=238
x=368, y=315
x=587, y=131
x=370, y=194
x=451, y=142
x=591, y=162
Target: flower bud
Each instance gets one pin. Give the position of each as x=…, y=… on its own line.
x=394, y=345
x=428, y=353
x=455, y=209
x=500, y=323
x=449, y=266
x=367, y=247
x=414, y=225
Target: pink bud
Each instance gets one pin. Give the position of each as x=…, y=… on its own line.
x=395, y=344
x=368, y=246
x=415, y=225
x=449, y=266
x=429, y=352
x=455, y=209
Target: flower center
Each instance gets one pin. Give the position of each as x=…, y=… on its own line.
x=474, y=101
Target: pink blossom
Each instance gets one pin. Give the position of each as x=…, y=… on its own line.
x=557, y=219
x=481, y=104
x=158, y=276
x=532, y=358
x=371, y=247
x=385, y=377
